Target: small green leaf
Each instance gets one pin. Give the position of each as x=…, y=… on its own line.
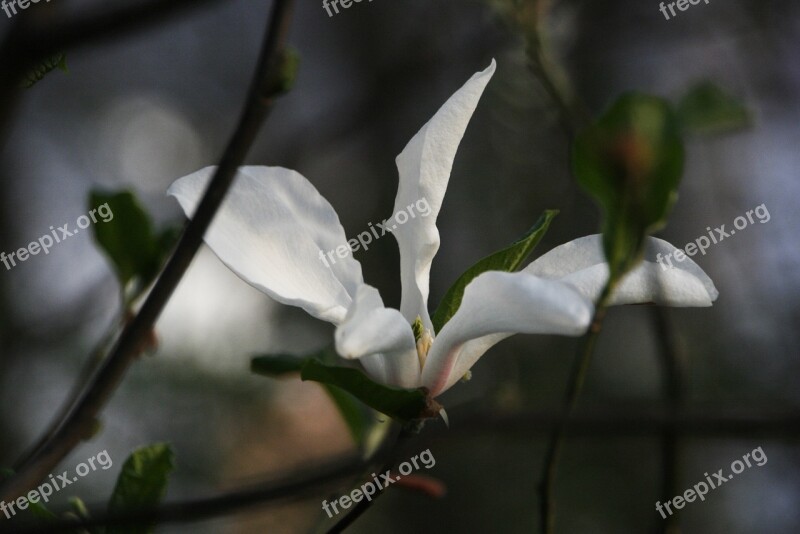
x=286, y=73
x=707, y=109
x=57, y=61
x=40, y=512
x=79, y=507
x=509, y=259
x=142, y=484
x=631, y=162
x=401, y=404
x=125, y=232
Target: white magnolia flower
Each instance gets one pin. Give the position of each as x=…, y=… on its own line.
x=274, y=223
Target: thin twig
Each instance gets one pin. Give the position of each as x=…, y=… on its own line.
x=674, y=377
x=81, y=420
x=574, y=388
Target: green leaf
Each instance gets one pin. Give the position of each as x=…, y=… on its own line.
x=286, y=73
x=142, y=484
x=81, y=512
x=125, y=232
x=40, y=512
x=509, y=259
x=79, y=507
x=401, y=404
x=708, y=109
x=128, y=237
x=57, y=61
x=345, y=385
x=631, y=162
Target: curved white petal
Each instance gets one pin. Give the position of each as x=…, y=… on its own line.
x=424, y=167
x=582, y=264
x=381, y=338
x=271, y=230
x=495, y=306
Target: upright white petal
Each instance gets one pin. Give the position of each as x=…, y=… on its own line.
x=270, y=230
x=424, y=167
x=582, y=264
x=495, y=306
x=381, y=338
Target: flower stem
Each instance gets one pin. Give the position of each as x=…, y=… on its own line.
x=574, y=388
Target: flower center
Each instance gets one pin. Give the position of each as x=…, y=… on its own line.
x=423, y=346
x=424, y=340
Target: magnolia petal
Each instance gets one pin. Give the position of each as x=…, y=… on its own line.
x=495, y=306
x=424, y=167
x=381, y=338
x=271, y=230
x=582, y=264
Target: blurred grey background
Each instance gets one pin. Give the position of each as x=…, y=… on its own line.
x=151, y=107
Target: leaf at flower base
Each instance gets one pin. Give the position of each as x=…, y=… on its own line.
x=142, y=484
x=277, y=365
x=509, y=260
x=631, y=162
x=345, y=385
x=401, y=404
x=707, y=109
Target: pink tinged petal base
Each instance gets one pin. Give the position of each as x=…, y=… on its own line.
x=581, y=263
x=270, y=230
x=380, y=338
x=424, y=167
x=497, y=305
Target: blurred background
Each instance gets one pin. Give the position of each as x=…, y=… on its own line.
x=153, y=106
